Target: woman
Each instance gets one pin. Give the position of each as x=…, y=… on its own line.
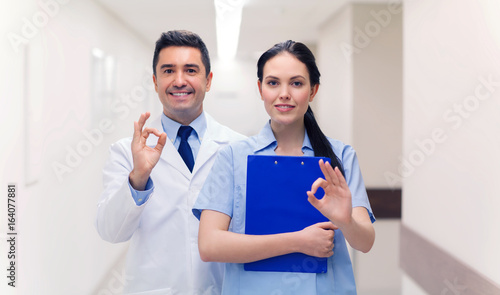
x=288, y=81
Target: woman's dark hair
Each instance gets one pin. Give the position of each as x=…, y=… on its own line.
x=319, y=142
x=182, y=38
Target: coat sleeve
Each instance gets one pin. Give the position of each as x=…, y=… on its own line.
x=118, y=216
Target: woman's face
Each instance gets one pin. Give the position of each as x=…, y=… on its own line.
x=286, y=90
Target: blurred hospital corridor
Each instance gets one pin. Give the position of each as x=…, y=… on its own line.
x=412, y=85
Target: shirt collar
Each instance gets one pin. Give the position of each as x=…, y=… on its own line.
x=171, y=127
x=306, y=145
x=266, y=139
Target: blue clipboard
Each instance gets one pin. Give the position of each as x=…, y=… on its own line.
x=276, y=202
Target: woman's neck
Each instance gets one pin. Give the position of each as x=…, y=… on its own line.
x=290, y=139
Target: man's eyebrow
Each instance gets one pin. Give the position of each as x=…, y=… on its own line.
x=167, y=66
x=192, y=66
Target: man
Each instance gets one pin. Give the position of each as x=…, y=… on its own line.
x=163, y=256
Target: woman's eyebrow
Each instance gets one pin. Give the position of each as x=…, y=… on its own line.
x=272, y=77
x=291, y=78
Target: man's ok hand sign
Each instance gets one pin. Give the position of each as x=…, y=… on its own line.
x=145, y=157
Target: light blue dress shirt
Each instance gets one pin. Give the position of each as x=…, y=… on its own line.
x=225, y=191
x=171, y=127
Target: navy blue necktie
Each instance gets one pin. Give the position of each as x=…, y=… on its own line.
x=184, y=148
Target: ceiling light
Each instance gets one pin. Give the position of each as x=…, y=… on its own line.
x=228, y=21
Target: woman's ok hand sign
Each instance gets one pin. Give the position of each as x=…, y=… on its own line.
x=336, y=204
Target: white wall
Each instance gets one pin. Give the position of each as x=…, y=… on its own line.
x=58, y=249
x=409, y=287
x=360, y=103
x=451, y=128
x=360, y=98
x=377, y=272
x=377, y=90
x=234, y=98
x=334, y=103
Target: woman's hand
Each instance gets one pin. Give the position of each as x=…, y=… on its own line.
x=336, y=204
x=317, y=239
x=216, y=243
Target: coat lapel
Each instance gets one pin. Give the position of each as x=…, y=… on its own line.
x=210, y=143
x=169, y=154
x=215, y=136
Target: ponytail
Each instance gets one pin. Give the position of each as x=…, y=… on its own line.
x=319, y=142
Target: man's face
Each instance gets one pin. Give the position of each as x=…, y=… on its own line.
x=181, y=83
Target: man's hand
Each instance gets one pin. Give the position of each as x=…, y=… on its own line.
x=145, y=157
